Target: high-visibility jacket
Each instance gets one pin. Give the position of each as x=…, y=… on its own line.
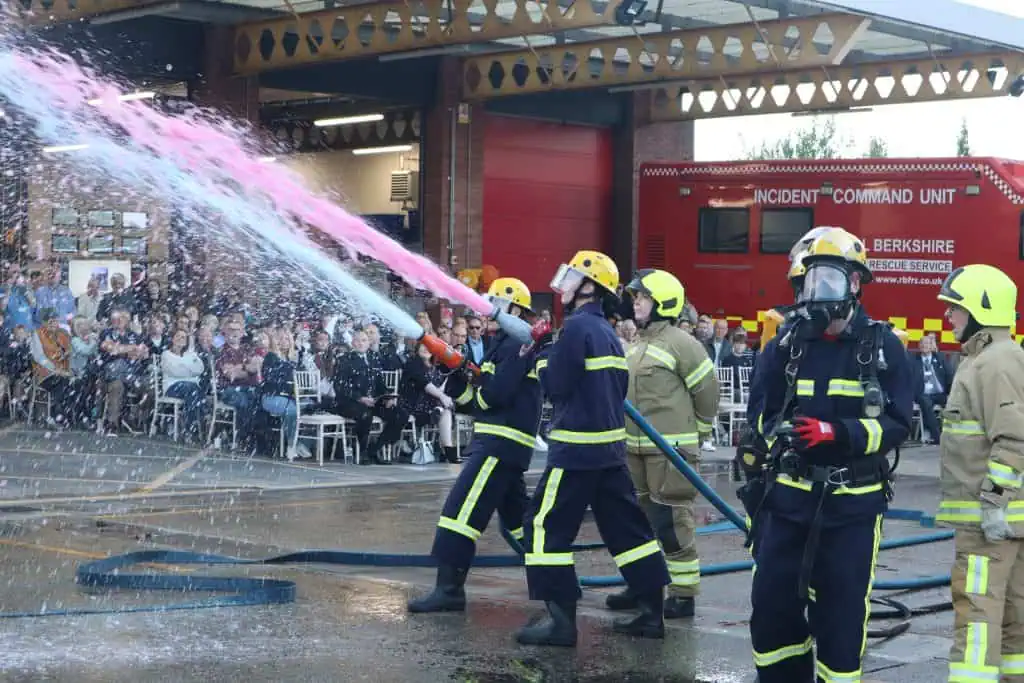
x=505, y=403
x=983, y=430
x=672, y=383
x=585, y=377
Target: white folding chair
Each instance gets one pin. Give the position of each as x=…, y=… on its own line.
x=220, y=408
x=324, y=425
x=162, y=402
x=726, y=404
x=38, y=396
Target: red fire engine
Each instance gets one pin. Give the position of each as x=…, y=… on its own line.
x=725, y=229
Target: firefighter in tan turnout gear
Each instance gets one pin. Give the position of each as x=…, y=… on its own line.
x=982, y=448
x=672, y=383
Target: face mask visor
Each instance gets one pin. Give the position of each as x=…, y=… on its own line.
x=567, y=280
x=825, y=284
x=501, y=303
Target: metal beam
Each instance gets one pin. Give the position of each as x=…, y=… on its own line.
x=387, y=27
x=41, y=12
x=827, y=89
x=694, y=53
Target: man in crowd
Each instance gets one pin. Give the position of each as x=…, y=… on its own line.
x=932, y=379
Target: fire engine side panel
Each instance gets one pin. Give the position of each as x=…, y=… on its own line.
x=727, y=236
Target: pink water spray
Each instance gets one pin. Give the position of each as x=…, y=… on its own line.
x=217, y=150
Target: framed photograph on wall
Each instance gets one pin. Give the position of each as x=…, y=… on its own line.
x=101, y=219
x=64, y=217
x=135, y=220
x=134, y=246
x=102, y=244
x=64, y=244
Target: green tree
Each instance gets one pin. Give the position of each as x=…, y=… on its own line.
x=877, y=148
x=818, y=141
x=963, y=142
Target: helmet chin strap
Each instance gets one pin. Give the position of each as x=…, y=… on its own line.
x=970, y=329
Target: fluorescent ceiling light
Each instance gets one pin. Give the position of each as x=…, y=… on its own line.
x=129, y=97
x=267, y=160
x=63, y=148
x=381, y=150
x=347, y=120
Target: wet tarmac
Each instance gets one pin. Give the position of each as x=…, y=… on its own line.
x=348, y=623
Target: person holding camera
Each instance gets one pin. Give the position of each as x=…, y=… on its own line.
x=838, y=396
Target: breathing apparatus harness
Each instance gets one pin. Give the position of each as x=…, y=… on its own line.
x=782, y=456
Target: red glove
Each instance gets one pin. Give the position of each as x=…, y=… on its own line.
x=812, y=432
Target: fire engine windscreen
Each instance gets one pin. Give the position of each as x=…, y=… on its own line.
x=825, y=284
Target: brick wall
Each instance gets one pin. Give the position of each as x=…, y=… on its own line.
x=639, y=141
x=438, y=209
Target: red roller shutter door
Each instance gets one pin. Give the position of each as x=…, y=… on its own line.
x=547, y=194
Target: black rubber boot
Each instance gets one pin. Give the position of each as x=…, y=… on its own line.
x=557, y=627
x=650, y=623
x=625, y=599
x=449, y=594
x=677, y=607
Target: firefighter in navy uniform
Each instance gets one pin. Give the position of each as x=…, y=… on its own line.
x=585, y=377
x=838, y=398
x=505, y=401
x=752, y=448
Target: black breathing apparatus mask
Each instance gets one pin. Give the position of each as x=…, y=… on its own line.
x=827, y=295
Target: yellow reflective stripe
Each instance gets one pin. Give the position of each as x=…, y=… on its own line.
x=812, y=594
x=805, y=387
x=966, y=427
x=704, y=427
x=966, y=673
x=521, y=438
x=1004, y=475
x=685, y=439
x=479, y=482
x=684, y=573
x=977, y=575
x=637, y=553
x=541, y=364
x=871, y=580
x=487, y=368
x=532, y=374
x=466, y=396
x=517, y=534
x=959, y=511
x=827, y=675
x=845, y=387
x=699, y=373
x=805, y=485
x=760, y=423
x=783, y=653
x=458, y=527
x=591, y=438
x=605, y=363
x=873, y=428
x=1012, y=665
x=481, y=402
x=975, y=650
x=539, y=558
x=662, y=356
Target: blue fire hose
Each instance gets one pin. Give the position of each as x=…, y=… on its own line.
x=108, y=572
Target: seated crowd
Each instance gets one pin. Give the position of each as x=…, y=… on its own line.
x=102, y=362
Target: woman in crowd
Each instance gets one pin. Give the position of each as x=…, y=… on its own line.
x=277, y=390
x=84, y=347
x=420, y=395
x=182, y=370
x=51, y=364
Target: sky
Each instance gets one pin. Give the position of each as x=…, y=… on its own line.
x=928, y=129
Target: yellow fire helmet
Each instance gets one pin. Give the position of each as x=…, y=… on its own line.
x=509, y=290
x=799, y=250
x=836, y=244
x=664, y=288
x=592, y=265
x=770, y=326
x=985, y=292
